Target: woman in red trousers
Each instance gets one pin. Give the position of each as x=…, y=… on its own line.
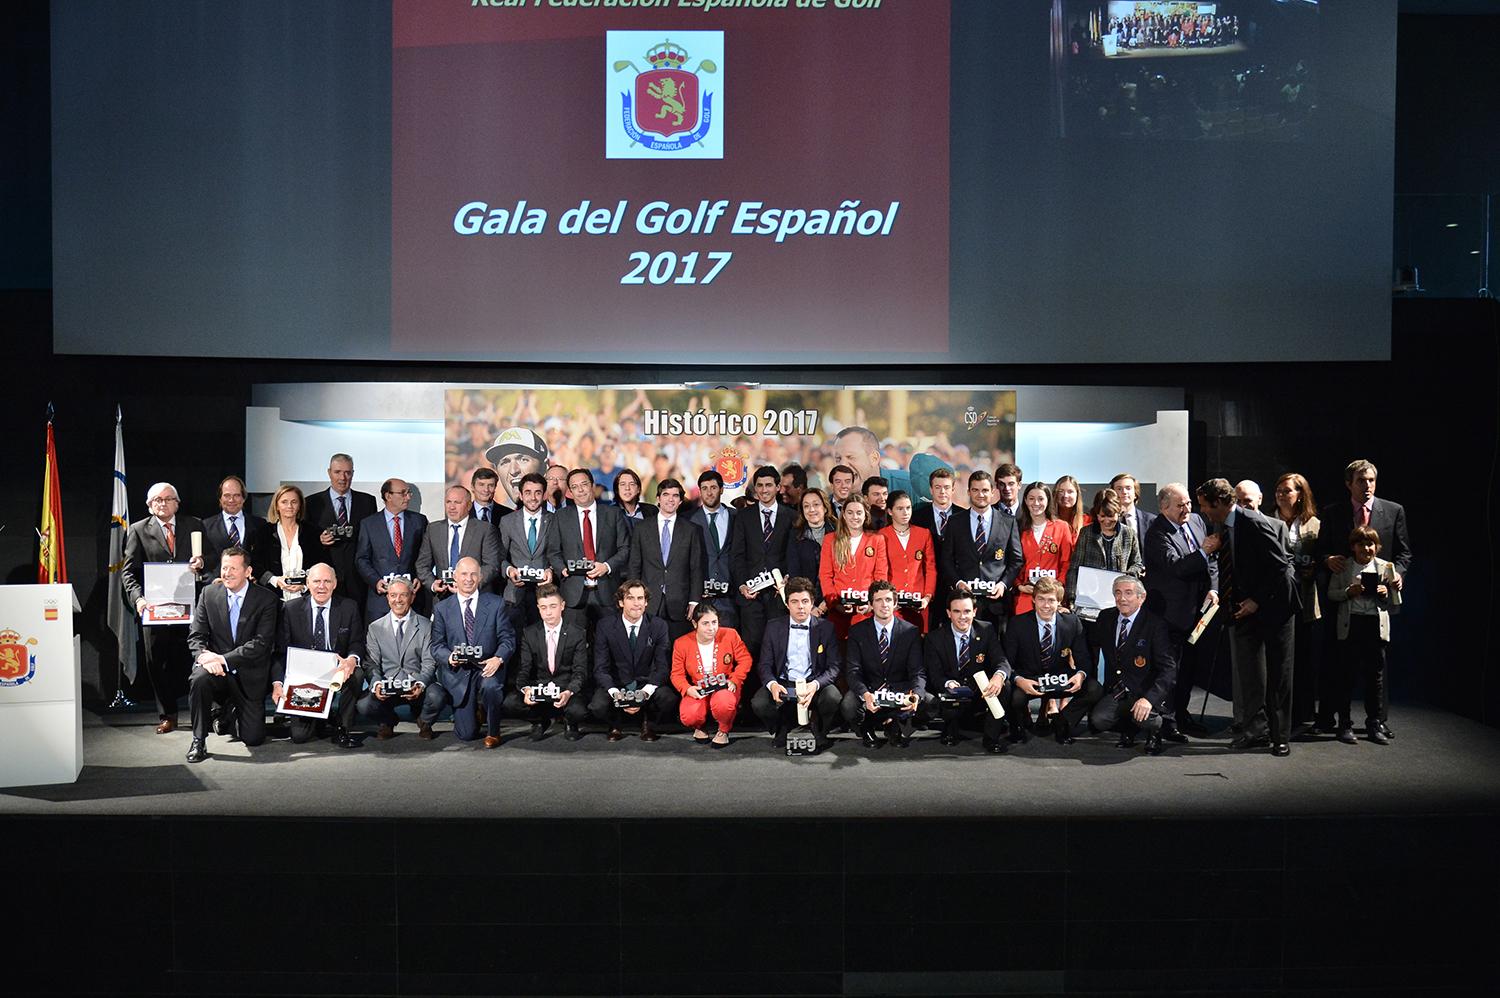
x=910, y=552
x=852, y=560
x=709, y=666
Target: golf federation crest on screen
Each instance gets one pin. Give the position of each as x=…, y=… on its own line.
x=664, y=95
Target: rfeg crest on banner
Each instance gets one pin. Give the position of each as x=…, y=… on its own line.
x=664, y=95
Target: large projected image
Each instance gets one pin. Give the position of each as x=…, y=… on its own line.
x=567, y=179
x=898, y=434
x=1167, y=69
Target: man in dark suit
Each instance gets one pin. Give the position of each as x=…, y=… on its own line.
x=716, y=521
x=336, y=513
x=485, y=482
x=885, y=653
x=1260, y=587
x=984, y=545
x=632, y=651
x=552, y=651
x=1139, y=667
x=460, y=534
x=759, y=536
x=798, y=648
x=161, y=537
x=472, y=640
x=1045, y=643
x=669, y=555
x=322, y=621
x=232, y=641
x=591, y=533
x=936, y=515
x=951, y=656
x=1128, y=491
x=398, y=649
x=526, y=542
x=388, y=545
x=1180, y=576
x=1362, y=508
x=231, y=526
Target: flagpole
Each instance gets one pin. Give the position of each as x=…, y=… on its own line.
x=121, y=622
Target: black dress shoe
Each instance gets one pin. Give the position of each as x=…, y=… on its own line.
x=868, y=740
x=648, y=733
x=615, y=734
x=1062, y=730
x=948, y=739
x=1017, y=735
x=1126, y=741
x=1346, y=735
x=343, y=739
x=1175, y=735
x=1154, y=745
x=1377, y=735
x=1246, y=740
x=223, y=721
x=1385, y=729
x=197, y=751
x=1194, y=728
x=538, y=729
x=994, y=746
x=572, y=732
x=1281, y=750
x=778, y=740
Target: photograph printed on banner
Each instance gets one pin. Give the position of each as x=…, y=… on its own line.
x=901, y=435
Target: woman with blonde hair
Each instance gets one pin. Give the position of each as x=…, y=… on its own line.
x=853, y=558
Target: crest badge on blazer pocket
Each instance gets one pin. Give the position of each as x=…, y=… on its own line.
x=918, y=556
x=1140, y=661
x=869, y=551
x=728, y=658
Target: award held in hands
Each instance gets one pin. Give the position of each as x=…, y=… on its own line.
x=310, y=683
x=171, y=593
x=1096, y=592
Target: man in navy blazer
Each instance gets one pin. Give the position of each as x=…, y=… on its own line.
x=982, y=544
x=232, y=639
x=1261, y=598
x=230, y=525
x=1042, y=643
x=388, y=545
x=798, y=648
x=894, y=663
x=674, y=576
x=1140, y=667
x=472, y=619
x=323, y=621
x=633, y=651
x=759, y=536
x=1180, y=575
x=951, y=656
x=716, y=520
x=335, y=515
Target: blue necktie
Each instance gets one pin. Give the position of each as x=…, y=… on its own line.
x=234, y=619
x=234, y=530
x=666, y=540
x=469, y=621
x=453, y=548
x=531, y=533
x=320, y=632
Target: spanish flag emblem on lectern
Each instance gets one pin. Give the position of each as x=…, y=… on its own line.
x=51, y=562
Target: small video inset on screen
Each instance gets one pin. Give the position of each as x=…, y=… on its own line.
x=1242, y=70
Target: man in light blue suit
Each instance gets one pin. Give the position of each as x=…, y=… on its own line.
x=472, y=640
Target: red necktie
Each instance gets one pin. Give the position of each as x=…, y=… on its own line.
x=171, y=540
x=1364, y=515
x=396, y=533
x=588, y=537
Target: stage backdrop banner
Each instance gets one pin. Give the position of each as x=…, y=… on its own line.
x=899, y=434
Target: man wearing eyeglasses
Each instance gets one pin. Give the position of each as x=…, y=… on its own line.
x=161, y=537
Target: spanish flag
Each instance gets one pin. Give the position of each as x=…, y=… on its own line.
x=51, y=561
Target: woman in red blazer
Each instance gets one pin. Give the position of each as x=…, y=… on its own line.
x=1046, y=543
x=909, y=550
x=852, y=559
x=709, y=651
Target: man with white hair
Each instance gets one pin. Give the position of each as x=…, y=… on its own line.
x=1179, y=578
x=1247, y=495
x=1140, y=667
x=162, y=536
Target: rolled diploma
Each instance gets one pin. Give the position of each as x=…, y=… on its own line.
x=196, y=537
x=804, y=716
x=1202, y=624
x=994, y=702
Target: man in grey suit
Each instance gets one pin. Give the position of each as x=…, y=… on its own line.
x=669, y=559
x=398, y=649
x=1180, y=576
x=527, y=537
x=592, y=538
x=162, y=536
x=460, y=534
x=715, y=520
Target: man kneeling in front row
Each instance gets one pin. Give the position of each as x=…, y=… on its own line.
x=1139, y=667
x=1050, y=657
x=554, y=653
x=887, y=683
x=798, y=650
x=232, y=639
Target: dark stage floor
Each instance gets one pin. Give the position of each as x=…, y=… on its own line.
x=1437, y=763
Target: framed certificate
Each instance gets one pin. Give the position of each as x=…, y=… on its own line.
x=308, y=688
x=171, y=594
x=1095, y=592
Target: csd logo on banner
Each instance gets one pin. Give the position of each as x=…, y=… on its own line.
x=664, y=95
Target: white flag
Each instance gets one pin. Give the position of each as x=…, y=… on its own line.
x=120, y=621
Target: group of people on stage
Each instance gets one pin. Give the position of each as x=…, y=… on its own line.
x=1160, y=30
x=856, y=606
